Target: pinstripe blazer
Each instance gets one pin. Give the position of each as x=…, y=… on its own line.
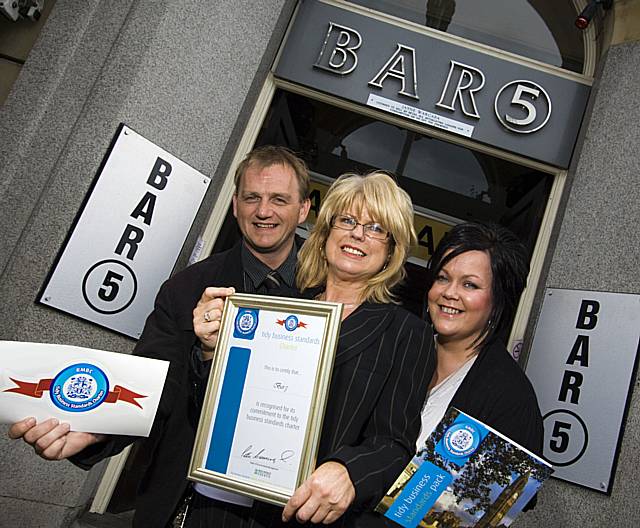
x=384, y=361
x=383, y=365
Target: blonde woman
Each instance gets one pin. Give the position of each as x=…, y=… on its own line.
x=355, y=254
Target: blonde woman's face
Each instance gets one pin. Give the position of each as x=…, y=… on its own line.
x=354, y=256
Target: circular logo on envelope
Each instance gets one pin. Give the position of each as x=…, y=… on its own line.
x=79, y=388
x=246, y=321
x=461, y=440
x=291, y=323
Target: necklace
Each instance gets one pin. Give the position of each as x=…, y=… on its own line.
x=323, y=297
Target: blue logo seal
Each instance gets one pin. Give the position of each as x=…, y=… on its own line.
x=291, y=323
x=246, y=323
x=461, y=440
x=79, y=388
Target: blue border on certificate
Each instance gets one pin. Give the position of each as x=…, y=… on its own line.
x=224, y=426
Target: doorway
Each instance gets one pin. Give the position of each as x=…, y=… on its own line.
x=448, y=183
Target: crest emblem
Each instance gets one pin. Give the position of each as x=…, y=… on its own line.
x=461, y=440
x=246, y=323
x=79, y=388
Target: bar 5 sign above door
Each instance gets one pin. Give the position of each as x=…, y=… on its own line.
x=417, y=74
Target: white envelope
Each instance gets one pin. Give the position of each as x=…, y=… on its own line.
x=92, y=390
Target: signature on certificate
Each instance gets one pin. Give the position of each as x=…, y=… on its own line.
x=260, y=453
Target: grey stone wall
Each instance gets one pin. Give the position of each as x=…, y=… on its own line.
x=597, y=249
x=183, y=74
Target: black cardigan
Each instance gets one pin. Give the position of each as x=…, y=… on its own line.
x=497, y=392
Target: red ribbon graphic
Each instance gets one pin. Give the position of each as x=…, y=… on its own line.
x=120, y=393
x=300, y=323
x=35, y=390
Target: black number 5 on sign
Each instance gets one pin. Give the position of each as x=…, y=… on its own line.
x=109, y=287
x=565, y=437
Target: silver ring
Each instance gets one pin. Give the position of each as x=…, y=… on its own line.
x=207, y=317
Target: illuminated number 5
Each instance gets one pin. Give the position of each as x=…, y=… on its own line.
x=111, y=280
x=560, y=438
x=528, y=105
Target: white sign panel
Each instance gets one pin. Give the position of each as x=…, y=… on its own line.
x=582, y=365
x=128, y=236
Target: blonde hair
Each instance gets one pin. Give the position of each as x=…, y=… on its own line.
x=386, y=204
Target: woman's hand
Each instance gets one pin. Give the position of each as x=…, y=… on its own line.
x=51, y=439
x=207, y=316
x=323, y=497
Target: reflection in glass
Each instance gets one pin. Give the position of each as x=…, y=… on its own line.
x=445, y=181
x=421, y=158
x=539, y=29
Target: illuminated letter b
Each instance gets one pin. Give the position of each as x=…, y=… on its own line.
x=343, y=42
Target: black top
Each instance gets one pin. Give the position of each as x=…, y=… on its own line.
x=497, y=392
x=383, y=364
x=256, y=271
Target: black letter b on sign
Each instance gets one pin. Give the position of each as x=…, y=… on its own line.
x=587, y=319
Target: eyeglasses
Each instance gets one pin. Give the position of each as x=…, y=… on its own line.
x=349, y=223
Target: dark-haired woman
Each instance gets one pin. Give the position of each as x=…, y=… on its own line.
x=476, y=276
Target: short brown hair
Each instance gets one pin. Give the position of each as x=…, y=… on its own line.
x=268, y=155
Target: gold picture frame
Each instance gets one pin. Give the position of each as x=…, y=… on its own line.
x=264, y=405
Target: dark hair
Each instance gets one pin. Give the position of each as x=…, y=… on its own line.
x=509, y=270
x=268, y=155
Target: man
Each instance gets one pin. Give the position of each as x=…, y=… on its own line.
x=271, y=199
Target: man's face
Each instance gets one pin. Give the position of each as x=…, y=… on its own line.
x=268, y=208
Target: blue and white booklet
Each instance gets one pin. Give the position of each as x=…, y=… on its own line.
x=466, y=475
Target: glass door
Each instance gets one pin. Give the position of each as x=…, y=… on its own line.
x=448, y=183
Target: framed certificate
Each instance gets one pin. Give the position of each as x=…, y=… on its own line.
x=262, y=416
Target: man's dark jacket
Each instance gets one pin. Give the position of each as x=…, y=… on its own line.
x=168, y=334
x=384, y=362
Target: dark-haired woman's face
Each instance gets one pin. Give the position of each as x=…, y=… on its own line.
x=460, y=298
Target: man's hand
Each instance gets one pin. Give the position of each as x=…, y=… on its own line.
x=51, y=439
x=207, y=315
x=323, y=497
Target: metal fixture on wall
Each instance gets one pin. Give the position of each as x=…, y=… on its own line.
x=17, y=9
x=584, y=18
